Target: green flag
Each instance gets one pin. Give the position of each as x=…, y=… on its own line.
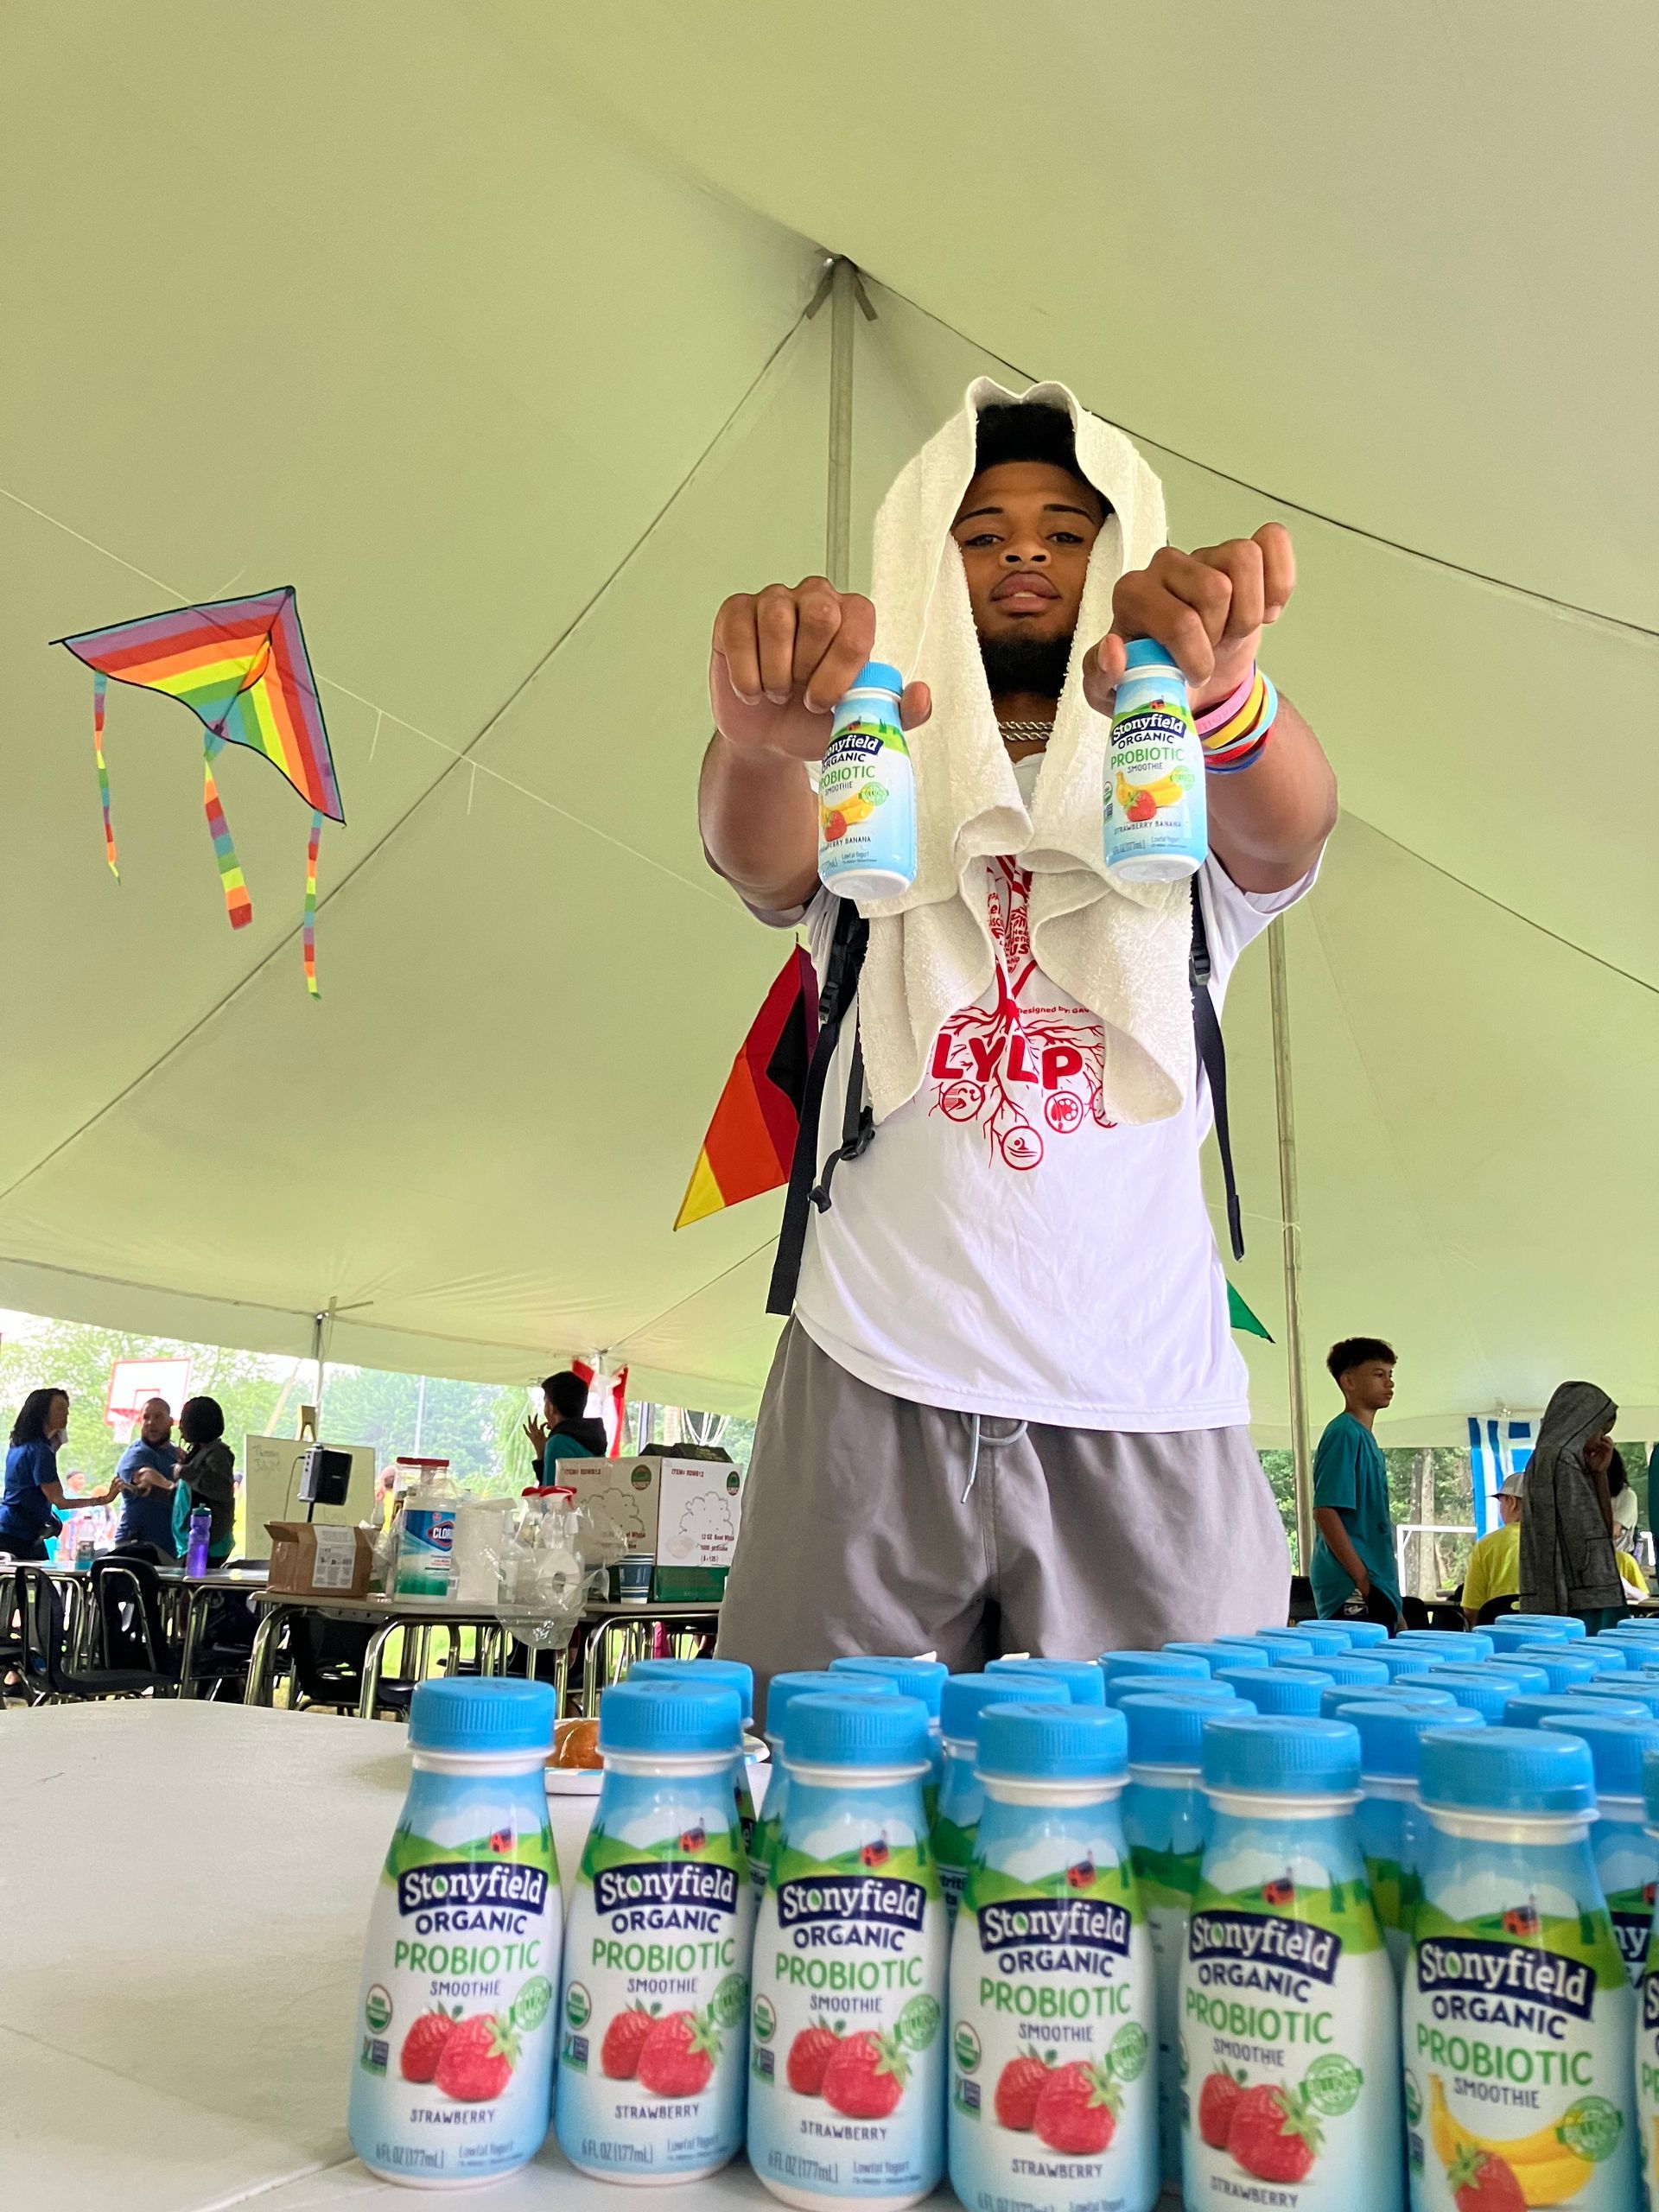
x=1240, y=1317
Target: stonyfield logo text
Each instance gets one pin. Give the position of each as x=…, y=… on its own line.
x=1074, y=1923
x=865, y=1900
x=473, y=1883
x=1467, y=1964
x=1264, y=1940
x=1651, y=2001
x=666, y=1883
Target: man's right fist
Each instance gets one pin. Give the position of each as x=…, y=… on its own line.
x=783, y=660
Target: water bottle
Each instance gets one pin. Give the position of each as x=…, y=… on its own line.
x=195, y=1556
x=1157, y=829
x=85, y=1548
x=866, y=793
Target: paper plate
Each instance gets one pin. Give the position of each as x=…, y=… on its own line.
x=574, y=1781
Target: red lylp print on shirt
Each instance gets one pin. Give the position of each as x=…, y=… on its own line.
x=1019, y=1068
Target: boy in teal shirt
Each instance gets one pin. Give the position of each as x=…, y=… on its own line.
x=1354, y=1554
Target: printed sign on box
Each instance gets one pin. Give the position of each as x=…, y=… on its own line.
x=685, y=1512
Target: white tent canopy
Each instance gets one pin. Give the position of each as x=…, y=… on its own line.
x=484, y=325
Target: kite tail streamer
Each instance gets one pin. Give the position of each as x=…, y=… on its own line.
x=237, y=904
x=100, y=686
x=310, y=933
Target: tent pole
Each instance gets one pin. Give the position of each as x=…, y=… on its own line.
x=838, y=501
x=1290, y=1215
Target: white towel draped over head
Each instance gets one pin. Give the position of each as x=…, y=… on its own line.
x=1121, y=952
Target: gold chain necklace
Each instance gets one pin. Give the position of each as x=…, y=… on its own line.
x=1027, y=733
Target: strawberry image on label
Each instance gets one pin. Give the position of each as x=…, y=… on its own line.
x=476, y=2061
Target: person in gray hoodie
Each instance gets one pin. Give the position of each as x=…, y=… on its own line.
x=1567, y=1562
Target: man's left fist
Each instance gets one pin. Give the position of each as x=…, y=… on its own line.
x=1206, y=609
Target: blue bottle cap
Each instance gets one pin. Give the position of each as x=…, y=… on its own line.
x=1487, y=1694
x=1612, y=1656
x=1558, y=1661
x=1087, y=1684
x=1277, y=1689
x=828, y=1730
x=1288, y=1639
x=1391, y=1731
x=1530, y=1710
x=1562, y=1624
x=1510, y=1636
x=670, y=1719
x=1364, y=1636
x=1460, y=1647
x=878, y=675
x=1640, y=1689
x=1114, y=1663
x=1403, y=1664
x=1340, y=1667
x=1142, y=656
x=1520, y=1770
x=1211, y=1692
x=1616, y=1748
x=1286, y=1758
x=1215, y=1656
x=1052, y=1742
x=966, y=1697
x=810, y=1682
x=1322, y=1636
x=922, y=1678
x=482, y=1714
x=735, y=1671
x=1169, y=1731
x=1332, y=1701
x=1521, y=1673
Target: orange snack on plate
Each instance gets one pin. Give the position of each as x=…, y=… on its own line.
x=576, y=1743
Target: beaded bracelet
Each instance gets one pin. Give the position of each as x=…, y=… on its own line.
x=1234, y=732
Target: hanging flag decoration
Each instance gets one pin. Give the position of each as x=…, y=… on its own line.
x=241, y=667
x=1240, y=1317
x=613, y=1398
x=751, y=1140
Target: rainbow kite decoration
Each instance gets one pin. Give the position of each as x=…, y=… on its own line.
x=751, y=1140
x=241, y=667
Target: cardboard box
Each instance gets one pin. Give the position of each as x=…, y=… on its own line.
x=685, y=1512
x=313, y=1560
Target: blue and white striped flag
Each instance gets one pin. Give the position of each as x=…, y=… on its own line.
x=1500, y=1445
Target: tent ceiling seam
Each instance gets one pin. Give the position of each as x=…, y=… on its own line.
x=1566, y=606
x=251, y=975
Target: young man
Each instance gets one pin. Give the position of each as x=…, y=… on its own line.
x=1008, y=1368
x=566, y=1433
x=147, y=1472
x=1354, y=1557
x=1494, y=1568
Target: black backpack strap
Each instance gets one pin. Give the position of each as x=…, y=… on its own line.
x=807, y=1187
x=1212, y=1058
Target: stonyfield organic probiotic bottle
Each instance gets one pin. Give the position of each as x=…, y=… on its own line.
x=922, y=1678
x=1288, y=2018
x=1647, y=2033
x=1167, y=1820
x=654, y=2009
x=961, y=1795
x=1627, y=1863
x=1053, y=2086
x=779, y=1691
x=454, y=2020
x=847, y=2051
x=1156, y=826
x=1390, y=1819
x=1518, y=2013
x=696, y=1672
x=867, y=793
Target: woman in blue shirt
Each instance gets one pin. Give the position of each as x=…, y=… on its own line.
x=32, y=1487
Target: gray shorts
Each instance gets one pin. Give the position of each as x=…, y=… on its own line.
x=856, y=1536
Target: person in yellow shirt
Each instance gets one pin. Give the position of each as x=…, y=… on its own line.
x=1495, y=1562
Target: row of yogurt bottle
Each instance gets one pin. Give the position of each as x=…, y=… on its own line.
x=1183, y=1889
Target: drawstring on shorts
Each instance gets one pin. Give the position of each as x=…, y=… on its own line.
x=977, y=1436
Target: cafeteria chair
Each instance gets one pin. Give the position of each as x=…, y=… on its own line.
x=1494, y=1609
x=48, y=1674
x=327, y=1659
x=1302, y=1607
x=127, y=1610
x=1435, y=1614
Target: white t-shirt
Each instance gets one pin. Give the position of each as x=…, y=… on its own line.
x=1002, y=1248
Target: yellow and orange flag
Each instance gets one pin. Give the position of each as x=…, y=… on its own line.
x=751, y=1140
